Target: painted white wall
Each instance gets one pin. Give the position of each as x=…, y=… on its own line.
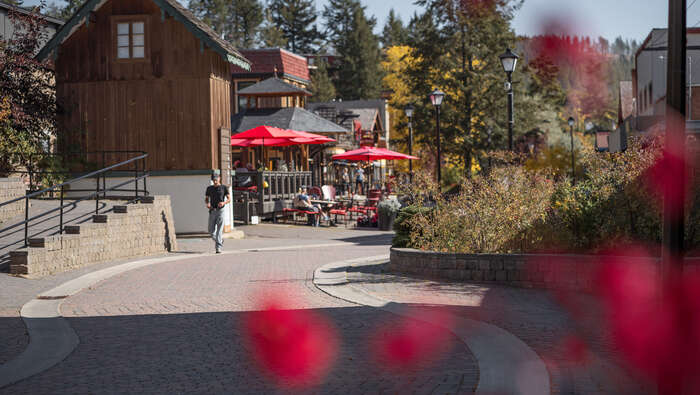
x=651, y=68
x=186, y=196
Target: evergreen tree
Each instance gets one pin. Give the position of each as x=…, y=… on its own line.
x=65, y=11
x=394, y=32
x=270, y=35
x=338, y=18
x=245, y=17
x=296, y=20
x=349, y=32
x=237, y=21
x=321, y=84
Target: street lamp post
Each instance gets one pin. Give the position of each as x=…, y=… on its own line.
x=509, y=60
x=573, y=165
x=436, y=98
x=409, y=114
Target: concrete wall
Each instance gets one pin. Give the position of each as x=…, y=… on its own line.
x=132, y=230
x=11, y=188
x=186, y=195
x=570, y=272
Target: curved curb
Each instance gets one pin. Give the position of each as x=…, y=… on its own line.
x=506, y=364
x=51, y=338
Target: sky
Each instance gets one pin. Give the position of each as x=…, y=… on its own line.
x=631, y=19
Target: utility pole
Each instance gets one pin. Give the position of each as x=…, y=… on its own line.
x=675, y=134
x=674, y=192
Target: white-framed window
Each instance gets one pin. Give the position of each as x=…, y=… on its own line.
x=130, y=38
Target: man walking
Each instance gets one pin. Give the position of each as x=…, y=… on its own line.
x=216, y=198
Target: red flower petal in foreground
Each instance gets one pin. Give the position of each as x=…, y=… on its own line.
x=656, y=327
x=408, y=343
x=296, y=347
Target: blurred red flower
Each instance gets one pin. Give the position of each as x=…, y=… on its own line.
x=296, y=347
x=407, y=343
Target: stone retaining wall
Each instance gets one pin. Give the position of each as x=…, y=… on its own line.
x=571, y=272
x=132, y=230
x=11, y=188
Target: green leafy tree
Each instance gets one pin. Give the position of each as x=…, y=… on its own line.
x=296, y=20
x=64, y=11
x=27, y=94
x=321, y=85
x=237, y=21
x=360, y=73
x=394, y=32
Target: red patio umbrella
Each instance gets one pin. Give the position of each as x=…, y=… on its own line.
x=369, y=154
x=265, y=132
x=272, y=142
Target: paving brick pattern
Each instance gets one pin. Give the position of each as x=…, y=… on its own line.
x=175, y=327
x=532, y=315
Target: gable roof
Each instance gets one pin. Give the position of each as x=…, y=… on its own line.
x=273, y=86
x=264, y=61
x=294, y=118
x=368, y=118
x=170, y=7
x=353, y=105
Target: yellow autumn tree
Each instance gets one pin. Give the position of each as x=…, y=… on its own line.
x=396, y=61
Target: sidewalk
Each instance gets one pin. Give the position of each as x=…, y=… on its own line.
x=531, y=315
x=294, y=243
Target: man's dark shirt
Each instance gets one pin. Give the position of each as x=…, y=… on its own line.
x=216, y=195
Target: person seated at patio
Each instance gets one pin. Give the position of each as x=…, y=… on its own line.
x=303, y=202
x=239, y=166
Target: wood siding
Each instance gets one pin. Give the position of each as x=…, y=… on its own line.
x=170, y=105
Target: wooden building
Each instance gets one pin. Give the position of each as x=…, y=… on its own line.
x=275, y=63
x=147, y=75
x=143, y=75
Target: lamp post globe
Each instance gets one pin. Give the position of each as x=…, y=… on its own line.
x=509, y=60
x=436, y=97
x=409, y=109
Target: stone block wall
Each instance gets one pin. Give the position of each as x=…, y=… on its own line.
x=569, y=272
x=129, y=231
x=11, y=188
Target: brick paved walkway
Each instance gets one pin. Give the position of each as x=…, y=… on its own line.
x=175, y=327
x=531, y=315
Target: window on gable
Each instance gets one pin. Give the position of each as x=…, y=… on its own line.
x=130, y=38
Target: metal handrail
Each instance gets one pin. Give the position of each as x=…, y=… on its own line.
x=95, y=174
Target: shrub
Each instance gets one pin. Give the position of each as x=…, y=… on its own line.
x=532, y=207
x=402, y=225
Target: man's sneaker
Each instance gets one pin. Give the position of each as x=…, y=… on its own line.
x=218, y=251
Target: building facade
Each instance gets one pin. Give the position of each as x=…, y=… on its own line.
x=146, y=75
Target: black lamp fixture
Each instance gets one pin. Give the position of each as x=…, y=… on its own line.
x=409, y=109
x=509, y=60
x=436, y=97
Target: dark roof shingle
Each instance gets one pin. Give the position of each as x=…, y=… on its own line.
x=294, y=118
x=273, y=86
